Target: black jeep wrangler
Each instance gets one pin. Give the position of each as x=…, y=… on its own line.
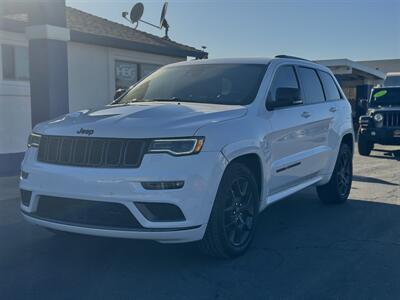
x=381, y=124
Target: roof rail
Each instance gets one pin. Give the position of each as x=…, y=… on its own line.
x=291, y=57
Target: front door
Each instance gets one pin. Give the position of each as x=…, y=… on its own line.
x=291, y=131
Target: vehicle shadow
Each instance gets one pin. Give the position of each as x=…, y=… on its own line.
x=303, y=249
x=388, y=154
x=372, y=180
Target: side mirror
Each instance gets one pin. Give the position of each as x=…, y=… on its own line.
x=119, y=93
x=285, y=97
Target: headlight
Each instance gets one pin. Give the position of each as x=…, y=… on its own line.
x=34, y=140
x=183, y=146
x=378, y=118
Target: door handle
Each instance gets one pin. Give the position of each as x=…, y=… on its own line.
x=332, y=109
x=306, y=114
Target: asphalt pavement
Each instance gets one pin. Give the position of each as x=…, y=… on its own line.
x=303, y=249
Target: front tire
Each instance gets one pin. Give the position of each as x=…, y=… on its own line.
x=230, y=229
x=364, y=145
x=337, y=190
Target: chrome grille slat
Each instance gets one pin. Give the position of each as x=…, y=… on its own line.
x=391, y=119
x=92, y=152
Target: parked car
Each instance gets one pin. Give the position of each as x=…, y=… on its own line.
x=381, y=124
x=194, y=152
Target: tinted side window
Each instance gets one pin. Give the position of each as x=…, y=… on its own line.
x=285, y=77
x=311, y=85
x=330, y=88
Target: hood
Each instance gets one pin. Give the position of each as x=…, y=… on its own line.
x=141, y=120
x=373, y=110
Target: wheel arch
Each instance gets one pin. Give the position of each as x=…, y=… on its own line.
x=253, y=161
x=348, y=139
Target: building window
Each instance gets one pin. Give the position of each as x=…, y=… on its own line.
x=15, y=62
x=128, y=73
x=147, y=69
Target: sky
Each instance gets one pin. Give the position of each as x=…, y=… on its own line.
x=313, y=29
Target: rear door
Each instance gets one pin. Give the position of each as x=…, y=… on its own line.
x=336, y=107
x=319, y=121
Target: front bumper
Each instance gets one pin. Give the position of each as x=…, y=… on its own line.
x=383, y=136
x=201, y=174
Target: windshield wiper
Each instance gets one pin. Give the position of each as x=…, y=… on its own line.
x=173, y=99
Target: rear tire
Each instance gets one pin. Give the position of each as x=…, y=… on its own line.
x=364, y=145
x=231, y=226
x=338, y=188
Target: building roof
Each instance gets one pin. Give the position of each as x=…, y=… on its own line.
x=384, y=65
x=88, y=28
x=83, y=22
x=351, y=69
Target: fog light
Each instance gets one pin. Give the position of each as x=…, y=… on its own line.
x=163, y=185
x=160, y=212
x=26, y=197
x=24, y=175
x=373, y=133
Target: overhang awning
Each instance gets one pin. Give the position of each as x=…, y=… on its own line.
x=346, y=69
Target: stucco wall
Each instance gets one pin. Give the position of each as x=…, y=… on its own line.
x=15, y=116
x=87, y=76
x=15, y=104
x=91, y=73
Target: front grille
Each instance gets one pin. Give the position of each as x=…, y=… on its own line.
x=86, y=213
x=391, y=119
x=92, y=152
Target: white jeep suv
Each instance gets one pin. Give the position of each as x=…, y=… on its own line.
x=193, y=152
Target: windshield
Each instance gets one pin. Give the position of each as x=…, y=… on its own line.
x=385, y=97
x=392, y=81
x=204, y=83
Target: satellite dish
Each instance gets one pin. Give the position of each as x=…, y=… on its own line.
x=136, y=16
x=136, y=12
x=163, y=22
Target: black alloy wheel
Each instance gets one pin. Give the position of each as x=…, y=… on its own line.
x=239, y=212
x=232, y=222
x=337, y=190
x=344, y=173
